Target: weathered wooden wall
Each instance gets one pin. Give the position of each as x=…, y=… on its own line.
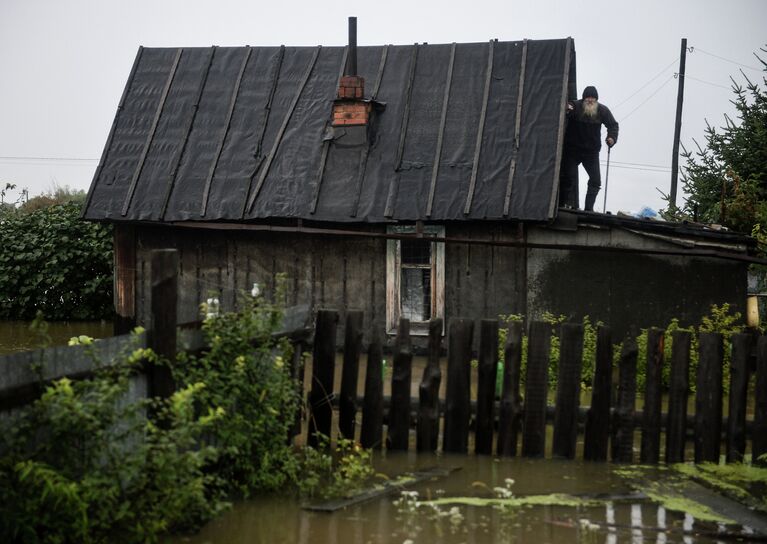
x=347, y=273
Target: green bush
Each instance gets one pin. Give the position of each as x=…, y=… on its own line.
x=52, y=261
x=253, y=388
x=720, y=319
x=83, y=464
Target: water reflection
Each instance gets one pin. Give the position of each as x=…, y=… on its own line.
x=272, y=519
x=17, y=336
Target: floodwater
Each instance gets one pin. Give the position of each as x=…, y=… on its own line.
x=16, y=335
x=275, y=519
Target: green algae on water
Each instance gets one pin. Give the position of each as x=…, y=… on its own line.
x=688, y=506
x=554, y=499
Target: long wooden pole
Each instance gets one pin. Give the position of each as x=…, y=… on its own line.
x=678, y=124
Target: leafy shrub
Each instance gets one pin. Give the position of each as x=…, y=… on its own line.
x=319, y=473
x=52, y=261
x=720, y=319
x=248, y=380
x=83, y=464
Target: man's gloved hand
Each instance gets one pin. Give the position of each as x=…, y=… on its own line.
x=570, y=107
x=610, y=142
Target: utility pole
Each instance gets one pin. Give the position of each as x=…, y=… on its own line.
x=677, y=126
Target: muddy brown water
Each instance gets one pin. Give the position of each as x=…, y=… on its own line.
x=16, y=335
x=276, y=519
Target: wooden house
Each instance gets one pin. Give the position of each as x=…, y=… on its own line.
x=422, y=183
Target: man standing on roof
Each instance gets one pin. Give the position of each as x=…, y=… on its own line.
x=583, y=140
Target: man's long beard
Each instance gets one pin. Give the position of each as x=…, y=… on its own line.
x=590, y=110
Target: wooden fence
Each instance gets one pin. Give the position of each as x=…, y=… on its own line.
x=609, y=425
x=498, y=423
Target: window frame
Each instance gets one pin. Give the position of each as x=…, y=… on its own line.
x=393, y=278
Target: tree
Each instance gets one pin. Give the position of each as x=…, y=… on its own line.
x=726, y=179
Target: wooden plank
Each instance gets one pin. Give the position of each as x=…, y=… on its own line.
x=151, y=133
x=326, y=142
x=561, y=133
x=394, y=184
x=371, y=434
x=398, y=433
x=597, y=432
x=517, y=129
x=487, y=374
x=679, y=386
x=162, y=332
x=387, y=487
x=24, y=375
x=442, y=121
x=178, y=155
x=225, y=132
x=480, y=129
x=708, y=398
x=623, y=438
x=511, y=403
x=323, y=370
x=651, y=420
x=427, y=434
x=536, y=389
x=297, y=373
x=347, y=402
x=110, y=136
x=736, y=419
x=278, y=139
x=457, y=403
x=568, y=390
x=759, y=433
x=124, y=278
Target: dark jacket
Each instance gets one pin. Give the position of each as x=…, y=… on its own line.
x=584, y=133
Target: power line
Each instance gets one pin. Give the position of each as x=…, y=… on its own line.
x=613, y=165
x=57, y=159
x=649, y=97
x=641, y=164
x=669, y=65
x=688, y=76
x=726, y=59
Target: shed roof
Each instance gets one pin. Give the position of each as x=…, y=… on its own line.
x=243, y=134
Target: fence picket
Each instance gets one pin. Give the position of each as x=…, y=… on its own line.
x=708, y=398
x=597, y=432
x=457, y=402
x=536, y=387
x=486, y=377
x=736, y=420
x=568, y=390
x=759, y=433
x=676, y=426
x=511, y=403
x=651, y=416
x=398, y=432
x=623, y=437
x=427, y=433
x=347, y=402
x=371, y=434
x=323, y=371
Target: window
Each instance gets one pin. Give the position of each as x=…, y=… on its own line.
x=415, y=279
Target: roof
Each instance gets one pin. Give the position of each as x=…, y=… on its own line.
x=242, y=134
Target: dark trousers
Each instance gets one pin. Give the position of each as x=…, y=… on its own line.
x=568, y=180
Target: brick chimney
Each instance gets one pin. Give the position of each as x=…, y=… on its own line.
x=350, y=107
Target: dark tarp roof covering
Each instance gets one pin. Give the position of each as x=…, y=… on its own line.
x=242, y=134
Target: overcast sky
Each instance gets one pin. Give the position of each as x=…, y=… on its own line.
x=64, y=63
